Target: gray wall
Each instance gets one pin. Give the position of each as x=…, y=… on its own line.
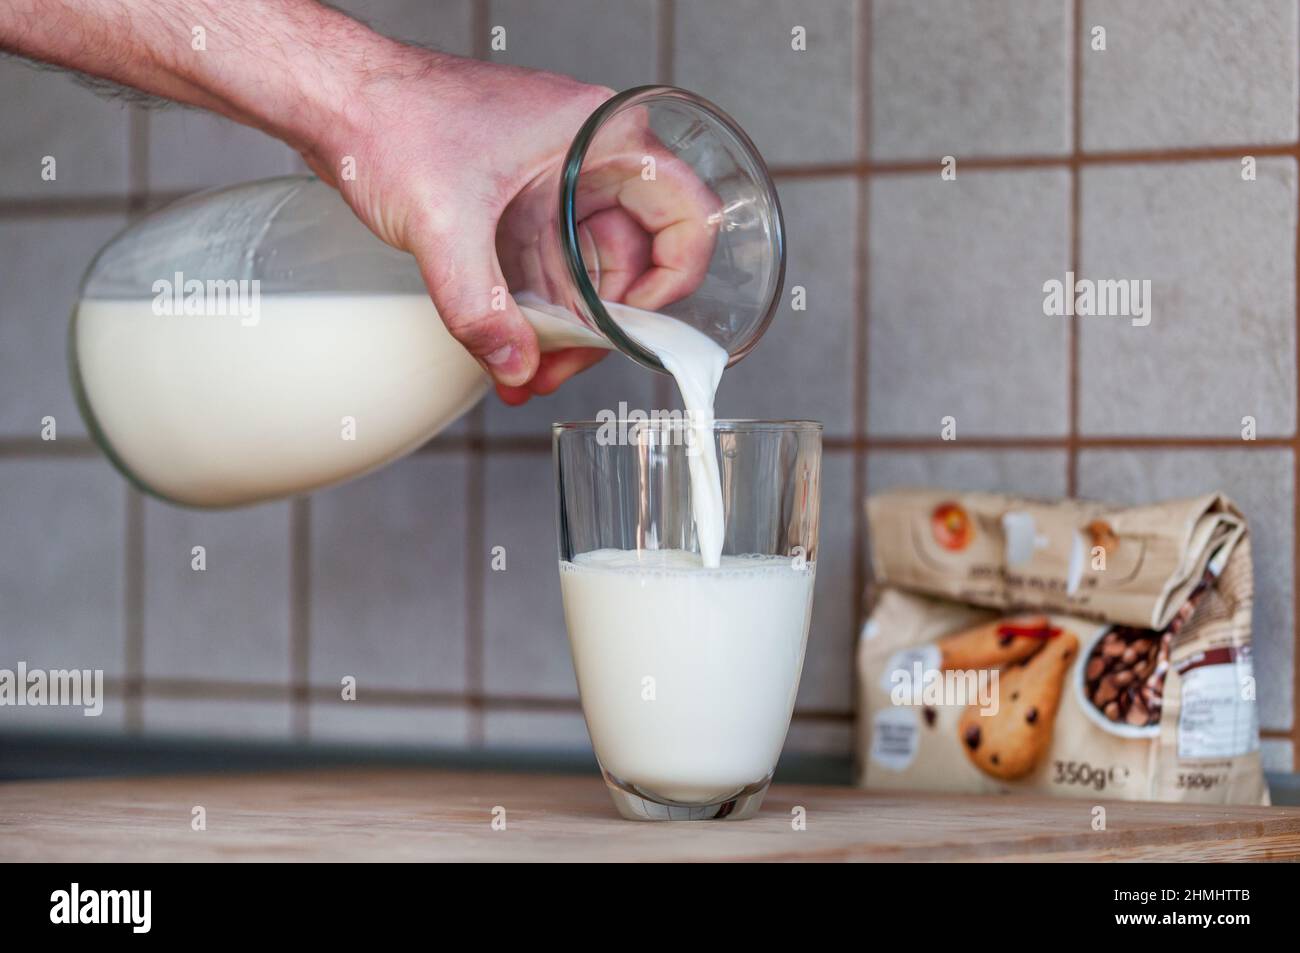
x=924, y=300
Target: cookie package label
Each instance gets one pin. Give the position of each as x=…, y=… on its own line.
x=1074, y=649
x=895, y=738
x=1215, y=721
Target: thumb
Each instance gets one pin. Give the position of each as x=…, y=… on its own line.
x=468, y=289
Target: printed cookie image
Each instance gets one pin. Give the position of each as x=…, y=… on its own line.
x=994, y=644
x=1009, y=744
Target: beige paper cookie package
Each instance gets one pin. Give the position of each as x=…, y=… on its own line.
x=1071, y=648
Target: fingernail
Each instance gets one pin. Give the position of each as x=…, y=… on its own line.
x=507, y=365
x=501, y=356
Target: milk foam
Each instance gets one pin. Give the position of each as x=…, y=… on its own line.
x=723, y=647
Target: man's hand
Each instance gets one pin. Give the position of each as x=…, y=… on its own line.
x=442, y=147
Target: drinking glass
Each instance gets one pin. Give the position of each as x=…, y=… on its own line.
x=687, y=674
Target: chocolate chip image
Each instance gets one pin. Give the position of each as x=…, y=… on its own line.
x=972, y=737
x=1107, y=691
x=1031, y=715
x=1125, y=673
x=994, y=759
x=929, y=715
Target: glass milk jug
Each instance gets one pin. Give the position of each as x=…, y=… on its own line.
x=258, y=341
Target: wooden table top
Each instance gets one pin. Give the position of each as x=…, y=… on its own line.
x=424, y=814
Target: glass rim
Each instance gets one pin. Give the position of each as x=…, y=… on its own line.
x=571, y=245
x=727, y=425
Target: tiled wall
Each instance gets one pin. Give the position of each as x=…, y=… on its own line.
x=924, y=300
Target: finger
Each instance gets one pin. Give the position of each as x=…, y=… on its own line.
x=556, y=367
x=621, y=251
x=469, y=291
x=513, y=396
x=683, y=215
x=673, y=207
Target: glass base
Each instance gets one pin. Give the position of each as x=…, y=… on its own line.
x=637, y=805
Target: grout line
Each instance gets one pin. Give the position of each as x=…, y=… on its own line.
x=300, y=614
x=37, y=449
x=1295, y=515
x=861, y=343
x=475, y=576
x=138, y=126
x=480, y=15
x=666, y=40
x=27, y=448
x=79, y=206
x=1064, y=160
x=133, y=610
x=1075, y=61
x=75, y=206
x=666, y=25
x=135, y=201
x=217, y=690
x=1083, y=442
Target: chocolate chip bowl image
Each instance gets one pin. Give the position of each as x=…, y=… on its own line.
x=1120, y=684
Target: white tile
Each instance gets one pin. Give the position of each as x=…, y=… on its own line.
x=827, y=682
x=1278, y=756
x=799, y=106
x=44, y=112
x=1260, y=482
x=956, y=325
x=230, y=620
x=616, y=379
x=814, y=736
x=1175, y=74
x=380, y=726
x=544, y=730
x=222, y=719
x=803, y=367
x=62, y=564
x=1021, y=472
x=609, y=44
x=388, y=564
x=191, y=149
x=41, y=265
x=969, y=79
x=440, y=24
x=525, y=646
x=1220, y=255
x=64, y=719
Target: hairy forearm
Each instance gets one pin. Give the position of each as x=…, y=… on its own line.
x=289, y=67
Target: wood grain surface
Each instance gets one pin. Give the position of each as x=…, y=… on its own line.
x=423, y=814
